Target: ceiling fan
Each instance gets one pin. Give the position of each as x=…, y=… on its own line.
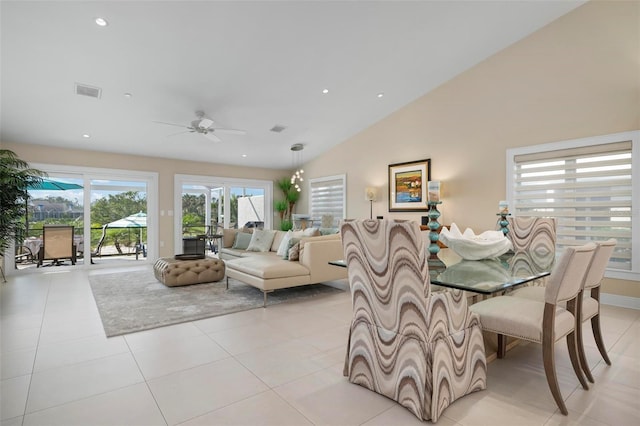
x=206, y=127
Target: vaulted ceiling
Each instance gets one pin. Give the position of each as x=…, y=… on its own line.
x=249, y=65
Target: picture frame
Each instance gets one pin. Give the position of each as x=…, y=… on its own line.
x=408, y=186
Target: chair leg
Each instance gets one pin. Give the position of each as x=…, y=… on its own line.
x=595, y=327
x=574, y=306
x=548, y=357
x=575, y=361
x=582, y=358
x=597, y=335
x=581, y=354
x=502, y=346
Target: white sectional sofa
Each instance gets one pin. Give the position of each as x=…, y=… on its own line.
x=268, y=271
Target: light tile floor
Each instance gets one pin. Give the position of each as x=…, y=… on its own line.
x=277, y=366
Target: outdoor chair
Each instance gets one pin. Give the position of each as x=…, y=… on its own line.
x=96, y=252
x=544, y=321
x=57, y=245
x=590, y=306
x=421, y=349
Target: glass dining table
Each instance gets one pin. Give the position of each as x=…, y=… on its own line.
x=487, y=276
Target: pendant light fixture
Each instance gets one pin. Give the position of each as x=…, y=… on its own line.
x=296, y=156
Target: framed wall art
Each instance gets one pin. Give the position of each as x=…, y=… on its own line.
x=408, y=186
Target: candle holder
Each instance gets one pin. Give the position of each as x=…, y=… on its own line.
x=433, y=225
x=503, y=222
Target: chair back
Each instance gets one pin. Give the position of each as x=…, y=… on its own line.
x=603, y=253
x=57, y=241
x=536, y=235
x=388, y=272
x=568, y=275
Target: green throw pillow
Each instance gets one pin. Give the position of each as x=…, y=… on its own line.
x=261, y=240
x=242, y=241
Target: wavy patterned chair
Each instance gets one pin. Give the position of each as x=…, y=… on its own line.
x=534, y=243
x=536, y=235
x=421, y=349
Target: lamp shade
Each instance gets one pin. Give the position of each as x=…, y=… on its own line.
x=370, y=193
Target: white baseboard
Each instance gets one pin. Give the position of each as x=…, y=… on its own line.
x=621, y=301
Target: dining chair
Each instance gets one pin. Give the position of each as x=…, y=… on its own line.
x=545, y=321
x=421, y=349
x=590, y=306
x=533, y=238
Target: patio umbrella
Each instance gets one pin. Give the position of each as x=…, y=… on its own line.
x=137, y=220
x=46, y=185
x=52, y=185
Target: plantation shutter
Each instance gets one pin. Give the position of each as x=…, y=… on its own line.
x=328, y=197
x=588, y=189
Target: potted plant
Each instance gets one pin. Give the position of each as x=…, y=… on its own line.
x=285, y=207
x=15, y=178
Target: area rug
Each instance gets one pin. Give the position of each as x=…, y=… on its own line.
x=135, y=301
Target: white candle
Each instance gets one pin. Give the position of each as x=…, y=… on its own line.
x=503, y=206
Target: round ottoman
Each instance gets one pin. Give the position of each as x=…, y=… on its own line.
x=172, y=272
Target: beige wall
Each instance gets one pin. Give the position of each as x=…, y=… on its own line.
x=577, y=77
x=166, y=169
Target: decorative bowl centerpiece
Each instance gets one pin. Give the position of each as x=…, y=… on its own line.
x=470, y=246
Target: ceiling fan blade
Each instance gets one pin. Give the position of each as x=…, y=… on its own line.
x=170, y=124
x=179, y=133
x=231, y=131
x=212, y=136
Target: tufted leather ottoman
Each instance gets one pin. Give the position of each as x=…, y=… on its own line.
x=172, y=272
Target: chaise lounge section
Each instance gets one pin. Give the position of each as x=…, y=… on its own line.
x=268, y=271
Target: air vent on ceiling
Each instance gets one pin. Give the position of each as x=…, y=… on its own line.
x=85, y=90
x=278, y=128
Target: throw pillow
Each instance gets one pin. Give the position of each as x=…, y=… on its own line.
x=294, y=252
x=311, y=232
x=292, y=241
x=242, y=241
x=329, y=231
x=261, y=240
x=283, y=248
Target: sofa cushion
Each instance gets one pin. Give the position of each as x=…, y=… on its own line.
x=242, y=241
x=267, y=267
x=277, y=239
x=261, y=240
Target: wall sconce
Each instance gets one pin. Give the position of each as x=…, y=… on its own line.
x=370, y=194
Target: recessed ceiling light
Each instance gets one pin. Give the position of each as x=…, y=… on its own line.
x=244, y=155
x=381, y=94
x=128, y=95
x=325, y=91
x=101, y=22
x=86, y=135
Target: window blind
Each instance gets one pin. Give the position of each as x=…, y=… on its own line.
x=328, y=197
x=588, y=189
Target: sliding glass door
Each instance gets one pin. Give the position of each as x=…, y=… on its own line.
x=204, y=204
x=112, y=212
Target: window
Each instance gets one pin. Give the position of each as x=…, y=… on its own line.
x=328, y=195
x=590, y=186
